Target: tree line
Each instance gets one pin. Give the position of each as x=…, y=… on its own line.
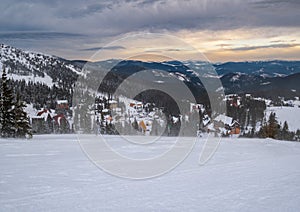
x=14, y=121
x=272, y=129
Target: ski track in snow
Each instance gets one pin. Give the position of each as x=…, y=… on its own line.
x=51, y=173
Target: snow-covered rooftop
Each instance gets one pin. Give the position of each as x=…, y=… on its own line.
x=224, y=119
x=62, y=101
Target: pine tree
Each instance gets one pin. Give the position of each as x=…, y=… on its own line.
x=297, y=136
x=135, y=124
x=22, y=126
x=1, y=109
x=285, y=131
x=285, y=127
x=263, y=131
x=6, y=109
x=156, y=128
x=273, y=126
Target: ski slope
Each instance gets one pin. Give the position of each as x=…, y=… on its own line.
x=51, y=173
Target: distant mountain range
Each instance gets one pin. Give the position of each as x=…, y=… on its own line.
x=262, y=78
x=264, y=69
x=268, y=79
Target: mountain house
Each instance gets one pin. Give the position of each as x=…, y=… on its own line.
x=225, y=125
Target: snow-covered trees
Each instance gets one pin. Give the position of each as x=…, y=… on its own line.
x=273, y=126
x=157, y=129
x=7, y=117
x=272, y=129
x=22, y=125
x=248, y=111
x=297, y=136
x=285, y=133
x=13, y=119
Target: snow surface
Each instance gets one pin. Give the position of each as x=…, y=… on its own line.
x=51, y=173
x=29, y=62
x=46, y=80
x=289, y=114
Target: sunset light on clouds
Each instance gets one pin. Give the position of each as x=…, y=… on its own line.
x=220, y=29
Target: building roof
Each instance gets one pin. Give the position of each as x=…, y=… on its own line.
x=45, y=113
x=224, y=119
x=62, y=101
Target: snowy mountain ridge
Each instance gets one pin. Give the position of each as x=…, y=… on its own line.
x=36, y=67
x=260, y=78
x=47, y=69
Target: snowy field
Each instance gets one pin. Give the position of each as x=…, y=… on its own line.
x=51, y=173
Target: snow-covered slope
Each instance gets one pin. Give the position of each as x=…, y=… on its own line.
x=51, y=173
x=36, y=67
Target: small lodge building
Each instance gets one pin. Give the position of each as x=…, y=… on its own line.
x=225, y=125
x=62, y=106
x=136, y=105
x=113, y=104
x=52, y=121
x=42, y=122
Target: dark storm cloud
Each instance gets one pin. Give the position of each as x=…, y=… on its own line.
x=87, y=10
x=37, y=35
x=75, y=24
x=280, y=41
x=248, y=48
x=165, y=50
x=274, y=2
x=106, y=18
x=103, y=48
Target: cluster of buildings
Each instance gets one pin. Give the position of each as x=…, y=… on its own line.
x=221, y=124
x=127, y=113
x=56, y=120
x=109, y=112
x=224, y=125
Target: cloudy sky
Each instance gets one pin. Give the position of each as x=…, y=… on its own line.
x=223, y=30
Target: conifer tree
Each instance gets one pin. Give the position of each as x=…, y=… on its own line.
x=156, y=128
x=286, y=133
x=1, y=109
x=263, y=131
x=297, y=136
x=22, y=125
x=135, y=124
x=7, y=117
x=273, y=126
